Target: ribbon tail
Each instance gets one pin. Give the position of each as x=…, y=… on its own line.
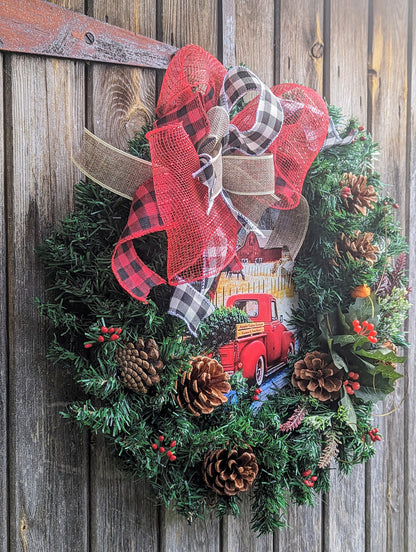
x=334, y=139
x=144, y=218
x=190, y=305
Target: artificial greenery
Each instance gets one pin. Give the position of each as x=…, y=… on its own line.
x=293, y=435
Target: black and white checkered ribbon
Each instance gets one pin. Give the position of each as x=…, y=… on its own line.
x=334, y=139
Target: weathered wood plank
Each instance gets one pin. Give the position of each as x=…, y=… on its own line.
x=300, y=47
x=228, y=33
x=120, y=101
x=409, y=408
x=254, y=27
x=347, y=57
x=41, y=28
x=346, y=86
x=3, y=338
x=46, y=458
x=301, y=33
x=190, y=22
x=388, y=88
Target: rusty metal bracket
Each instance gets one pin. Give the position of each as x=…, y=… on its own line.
x=41, y=28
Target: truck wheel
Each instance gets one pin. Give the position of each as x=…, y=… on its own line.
x=259, y=371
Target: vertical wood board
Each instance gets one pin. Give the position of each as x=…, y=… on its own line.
x=47, y=458
x=254, y=38
x=120, y=101
x=387, y=111
x=3, y=338
x=300, y=45
x=303, y=531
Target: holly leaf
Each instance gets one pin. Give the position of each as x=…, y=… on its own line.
x=337, y=359
x=371, y=394
x=381, y=353
x=363, y=308
x=344, y=339
x=378, y=383
x=351, y=417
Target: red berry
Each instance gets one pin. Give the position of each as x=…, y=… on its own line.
x=104, y=330
x=370, y=326
x=372, y=339
x=114, y=337
x=351, y=375
x=88, y=345
x=255, y=398
x=162, y=449
x=355, y=376
x=161, y=438
x=363, y=138
x=355, y=385
x=375, y=430
x=357, y=328
x=111, y=330
x=372, y=333
x=349, y=390
x=364, y=323
x=372, y=437
x=377, y=437
x=355, y=322
x=346, y=382
x=173, y=443
x=257, y=391
x=395, y=205
x=154, y=446
x=172, y=458
x=306, y=473
x=169, y=453
x=346, y=191
x=100, y=338
x=118, y=331
x=314, y=478
x=360, y=128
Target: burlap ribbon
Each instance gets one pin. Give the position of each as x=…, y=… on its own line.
x=208, y=176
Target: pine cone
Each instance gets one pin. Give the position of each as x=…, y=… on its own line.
x=358, y=247
x=318, y=375
x=201, y=389
x=363, y=196
x=139, y=365
x=230, y=472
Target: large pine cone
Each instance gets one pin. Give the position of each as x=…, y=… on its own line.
x=317, y=375
x=139, y=365
x=362, y=196
x=230, y=472
x=358, y=247
x=202, y=388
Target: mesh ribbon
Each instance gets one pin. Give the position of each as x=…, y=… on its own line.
x=209, y=177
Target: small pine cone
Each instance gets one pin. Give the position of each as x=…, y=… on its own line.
x=317, y=375
x=358, y=247
x=202, y=388
x=230, y=472
x=362, y=196
x=139, y=365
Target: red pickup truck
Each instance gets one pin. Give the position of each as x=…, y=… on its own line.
x=261, y=346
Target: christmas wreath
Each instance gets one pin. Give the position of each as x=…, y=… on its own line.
x=133, y=318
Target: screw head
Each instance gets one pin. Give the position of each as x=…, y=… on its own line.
x=89, y=38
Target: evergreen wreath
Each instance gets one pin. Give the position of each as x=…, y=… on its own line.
x=160, y=396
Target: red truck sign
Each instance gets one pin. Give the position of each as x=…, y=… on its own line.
x=261, y=346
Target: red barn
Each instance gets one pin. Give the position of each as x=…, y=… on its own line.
x=253, y=250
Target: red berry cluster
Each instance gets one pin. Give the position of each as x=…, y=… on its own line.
x=365, y=328
x=159, y=447
x=257, y=393
x=374, y=436
x=105, y=334
x=345, y=192
x=310, y=479
x=352, y=384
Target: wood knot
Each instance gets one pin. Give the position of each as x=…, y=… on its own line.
x=317, y=50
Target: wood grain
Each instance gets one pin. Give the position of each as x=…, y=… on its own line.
x=303, y=531
x=46, y=457
x=409, y=409
x=190, y=22
x=346, y=57
x=42, y=28
x=345, y=86
x=121, y=100
x=254, y=27
x=300, y=45
x=387, y=110
x=3, y=338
